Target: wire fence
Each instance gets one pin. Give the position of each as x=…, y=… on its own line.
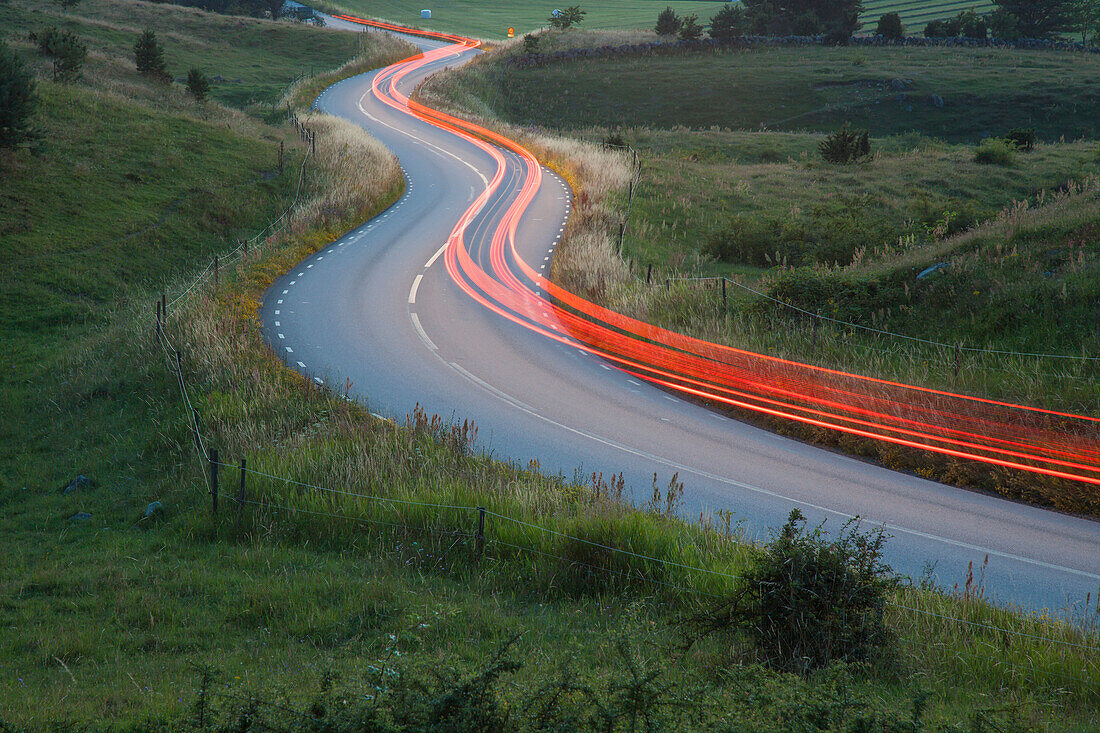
x=477, y=516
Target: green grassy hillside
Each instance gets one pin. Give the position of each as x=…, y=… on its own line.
x=253, y=60
x=491, y=19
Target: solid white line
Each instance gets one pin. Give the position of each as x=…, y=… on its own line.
x=421, y=333
x=413, y=289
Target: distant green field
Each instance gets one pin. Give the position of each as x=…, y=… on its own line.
x=915, y=14
x=493, y=18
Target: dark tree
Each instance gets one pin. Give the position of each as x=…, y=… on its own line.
x=728, y=23
x=836, y=18
x=936, y=29
x=198, y=84
x=668, y=23
x=530, y=43
x=690, y=30
x=17, y=99
x=1040, y=18
x=66, y=50
x=890, y=26
x=149, y=57
x=972, y=25
x=275, y=7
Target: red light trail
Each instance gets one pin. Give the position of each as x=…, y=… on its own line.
x=1047, y=442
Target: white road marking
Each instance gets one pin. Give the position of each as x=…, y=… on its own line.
x=289, y=350
x=285, y=292
x=279, y=301
x=413, y=289
x=301, y=365
x=293, y=281
x=276, y=324
x=276, y=311
x=421, y=333
x=282, y=336
x=433, y=258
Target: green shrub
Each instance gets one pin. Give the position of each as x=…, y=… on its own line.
x=530, y=43
x=18, y=99
x=149, y=57
x=834, y=294
x=197, y=84
x=845, y=146
x=809, y=602
x=66, y=50
x=890, y=26
x=747, y=239
x=1021, y=139
x=668, y=23
x=972, y=25
x=995, y=151
x=690, y=30
x=937, y=29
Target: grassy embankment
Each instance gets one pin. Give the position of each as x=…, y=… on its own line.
x=108, y=618
x=732, y=185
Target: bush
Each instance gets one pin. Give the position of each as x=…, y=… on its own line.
x=615, y=140
x=197, y=84
x=530, y=43
x=690, y=30
x=845, y=146
x=890, y=26
x=935, y=29
x=809, y=602
x=1021, y=139
x=972, y=25
x=571, y=16
x=149, y=57
x=67, y=51
x=668, y=23
x=749, y=240
x=829, y=293
x=18, y=99
x=995, y=151
x=728, y=23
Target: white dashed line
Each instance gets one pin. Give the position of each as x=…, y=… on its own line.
x=301, y=365
x=420, y=332
x=285, y=292
x=279, y=301
x=289, y=350
x=282, y=336
x=413, y=289
x=276, y=324
x=293, y=281
x=276, y=311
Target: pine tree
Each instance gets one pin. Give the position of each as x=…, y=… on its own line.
x=729, y=23
x=149, y=57
x=668, y=23
x=1039, y=18
x=198, y=84
x=17, y=99
x=690, y=30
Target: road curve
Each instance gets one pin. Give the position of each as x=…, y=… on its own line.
x=386, y=309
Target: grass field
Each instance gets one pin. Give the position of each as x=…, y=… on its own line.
x=491, y=19
x=984, y=91
x=253, y=59
x=915, y=14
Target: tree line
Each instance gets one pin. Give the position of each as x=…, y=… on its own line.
x=838, y=20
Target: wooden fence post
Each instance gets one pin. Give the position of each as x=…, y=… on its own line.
x=215, y=271
x=213, y=482
x=723, y=293
x=957, y=350
x=648, y=273
x=480, y=532
x=158, y=319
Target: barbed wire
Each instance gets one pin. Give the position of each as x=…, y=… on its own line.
x=883, y=332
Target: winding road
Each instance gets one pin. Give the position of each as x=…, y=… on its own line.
x=397, y=309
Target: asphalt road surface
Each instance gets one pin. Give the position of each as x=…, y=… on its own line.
x=378, y=308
